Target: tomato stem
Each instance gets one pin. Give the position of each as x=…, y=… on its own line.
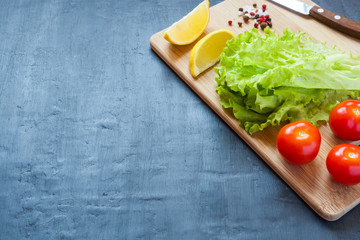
x=352, y=155
x=302, y=133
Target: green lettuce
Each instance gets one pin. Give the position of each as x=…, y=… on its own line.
x=267, y=79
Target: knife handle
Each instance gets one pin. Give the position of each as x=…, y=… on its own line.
x=335, y=21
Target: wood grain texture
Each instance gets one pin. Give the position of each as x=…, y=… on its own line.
x=336, y=21
x=312, y=181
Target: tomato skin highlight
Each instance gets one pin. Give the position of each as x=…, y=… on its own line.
x=298, y=142
x=344, y=120
x=343, y=164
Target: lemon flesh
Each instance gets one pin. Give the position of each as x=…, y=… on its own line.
x=206, y=52
x=190, y=27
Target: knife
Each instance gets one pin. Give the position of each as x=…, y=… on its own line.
x=327, y=17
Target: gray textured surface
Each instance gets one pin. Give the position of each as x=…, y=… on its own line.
x=101, y=140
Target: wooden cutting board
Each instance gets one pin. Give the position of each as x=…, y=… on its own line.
x=312, y=181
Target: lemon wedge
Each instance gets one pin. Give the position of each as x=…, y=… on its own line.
x=206, y=52
x=190, y=27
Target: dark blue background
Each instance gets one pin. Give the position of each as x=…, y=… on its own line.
x=99, y=139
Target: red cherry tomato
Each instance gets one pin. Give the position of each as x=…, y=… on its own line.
x=343, y=164
x=299, y=142
x=344, y=120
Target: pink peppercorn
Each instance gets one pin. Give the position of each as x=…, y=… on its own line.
x=264, y=6
x=230, y=22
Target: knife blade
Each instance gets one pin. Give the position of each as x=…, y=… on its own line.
x=327, y=17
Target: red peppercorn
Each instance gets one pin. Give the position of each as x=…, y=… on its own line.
x=240, y=24
x=252, y=14
x=246, y=12
x=264, y=6
x=257, y=11
x=230, y=22
x=267, y=16
x=256, y=25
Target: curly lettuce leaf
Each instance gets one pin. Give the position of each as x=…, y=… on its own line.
x=267, y=79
